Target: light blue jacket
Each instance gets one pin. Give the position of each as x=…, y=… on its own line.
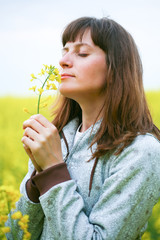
x=124, y=190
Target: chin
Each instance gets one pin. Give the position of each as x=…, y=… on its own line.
x=66, y=92
x=69, y=94
x=72, y=92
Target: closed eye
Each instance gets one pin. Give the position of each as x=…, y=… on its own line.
x=83, y=54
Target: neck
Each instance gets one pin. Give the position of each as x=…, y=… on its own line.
x=91, y=113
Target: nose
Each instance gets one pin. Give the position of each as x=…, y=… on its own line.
x=66, y=61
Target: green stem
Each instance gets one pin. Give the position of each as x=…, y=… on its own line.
x=39, y=98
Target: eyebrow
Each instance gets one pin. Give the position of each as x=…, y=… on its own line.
x=77, y=45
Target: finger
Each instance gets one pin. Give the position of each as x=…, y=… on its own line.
x=42, y=120
x=34, y=146
x=28, y=151
x=32, y=123
x=38, y=125
x=32, y=134
x=43, y=126
x=29, y=143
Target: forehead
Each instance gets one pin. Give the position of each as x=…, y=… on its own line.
x=80, y=41
x=76, y=45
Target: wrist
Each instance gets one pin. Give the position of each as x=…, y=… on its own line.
x=51, y=177
x=51, y=165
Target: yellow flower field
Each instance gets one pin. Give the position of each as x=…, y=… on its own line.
x=14, y=161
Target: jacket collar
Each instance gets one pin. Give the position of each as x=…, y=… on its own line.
x=70, y=130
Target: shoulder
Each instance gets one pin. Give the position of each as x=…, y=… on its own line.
x=143, y=153
x=147, y=138
x=146, y=144
x=139, y=163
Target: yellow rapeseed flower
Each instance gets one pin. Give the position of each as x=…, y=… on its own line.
x=25, y=219
x=33, y=88
x=51, y=74
x=41, y=90
x=56, y=71
x=17, y=215
x=26, y=110
x=5, y=229
x=58, y=78
x=3, y=218
x=48, y=86
x=23, y=223
x=53, y=86
x=42, y=72
x=44, y=105
x=3, y=204
x=8, y=197
x=33, y=77
x=52, y=77
x=46, y=66
x=27, y=236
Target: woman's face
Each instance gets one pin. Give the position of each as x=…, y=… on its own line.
x=83, y=73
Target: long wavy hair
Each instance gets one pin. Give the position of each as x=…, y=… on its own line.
x=125, y=111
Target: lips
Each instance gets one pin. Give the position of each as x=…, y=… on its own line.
x=66, y=75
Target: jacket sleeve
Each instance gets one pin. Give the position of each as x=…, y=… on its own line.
x=26, y=206
x=127, y=198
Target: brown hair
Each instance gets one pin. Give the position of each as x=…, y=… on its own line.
x=125, y=112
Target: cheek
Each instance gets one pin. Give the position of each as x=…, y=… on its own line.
x=96, y=73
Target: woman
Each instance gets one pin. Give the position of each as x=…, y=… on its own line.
x=94, y=171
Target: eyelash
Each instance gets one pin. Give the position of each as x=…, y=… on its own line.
x=82, y=54
x=79, y=54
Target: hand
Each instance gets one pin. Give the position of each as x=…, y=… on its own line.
x=42, y=142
